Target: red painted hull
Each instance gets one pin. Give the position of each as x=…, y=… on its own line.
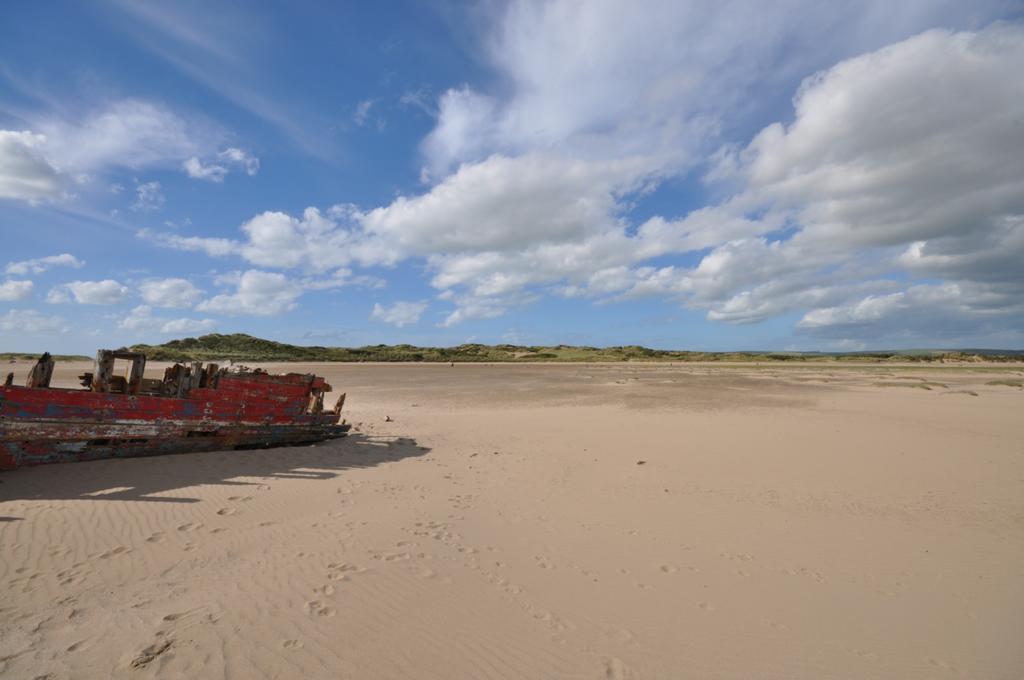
x=247, y=410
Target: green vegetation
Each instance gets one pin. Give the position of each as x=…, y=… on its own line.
x=1007, y=383
x=241, y=347
x=923, y=385
x=25, y=356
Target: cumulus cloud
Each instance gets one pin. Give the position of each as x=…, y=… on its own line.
x=106, y=292
x=913, y=145
x=658, y=81
x=127, y=133
x=214, y=247
x=141, y=319
x=25, y=172
x=886, y=149
x=913, y=141
x=904, y=161
x=41, y=264
x=276, y=239
x=148, y=197
x=14, y=289
x=174, y=293
x=399, y=313
x=957, y=311
x=218, y=168
x=27, y=321
x=477, y=307
x=493, y=227
x=506, y=203
x=882, y=154
x=56, y=153
x=257, y=293
x=187, y=326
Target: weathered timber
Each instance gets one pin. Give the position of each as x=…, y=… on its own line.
x=193, y=408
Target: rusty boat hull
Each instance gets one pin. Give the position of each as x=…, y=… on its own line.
x=193, y=409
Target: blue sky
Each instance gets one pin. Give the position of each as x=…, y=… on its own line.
x=704, y=175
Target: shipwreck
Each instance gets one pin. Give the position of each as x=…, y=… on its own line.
x=194, y=407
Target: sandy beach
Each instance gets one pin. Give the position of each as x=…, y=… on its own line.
x=548, y=521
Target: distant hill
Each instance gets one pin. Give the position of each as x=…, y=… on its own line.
x=25, y=356
x=242, y=347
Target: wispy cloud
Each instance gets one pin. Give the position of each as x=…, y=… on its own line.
x=222, y=51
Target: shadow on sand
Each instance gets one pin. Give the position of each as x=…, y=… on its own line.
x=155, y=479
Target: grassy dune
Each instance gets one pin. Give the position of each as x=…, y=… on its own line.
x=241, y=347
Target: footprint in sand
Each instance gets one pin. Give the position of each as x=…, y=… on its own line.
x=291, y=644
x=241, y=499
x=944, y=665
x=866, y=655
x=425, y=573
x=147, y=655
x=116, y=551
x=319, y=608
x=67, y=576
x=174, y=616
x=226, y=512
x=155, y=537
x=706, y=606
x=326, y=589
x=623, y=635
x=190, y=527
x=669, y=568
x=339, y=571
x=614, y=669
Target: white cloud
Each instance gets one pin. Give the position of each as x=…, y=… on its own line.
x=195, y=169
x=905, y=160
x=148, y=197
x=475, y=308
x=41, y=264
x=14, y=289
x=651, y=80
x=279, y=240
x=141, y=319
x=106, y=292
x=217, y=169
x=926, y=312
x=884, y=151
x=174, y=293
x=257, y=293
x=57, y=153
x=362, y=112
x=508, y=203
x=242, y=159
x=27, y=321
x=400, y=313
x=127, y=133
x=463, y=131
x=188, y=326
x=868, y=310
x=214, y=247
x=25, y=173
